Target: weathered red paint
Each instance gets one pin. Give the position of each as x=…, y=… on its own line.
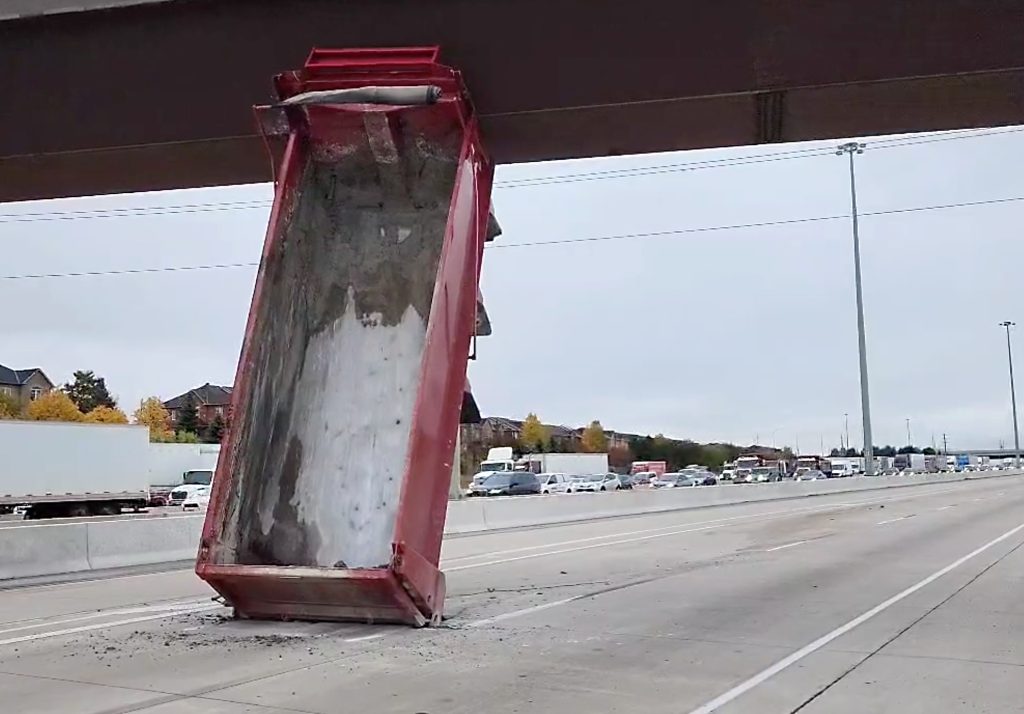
x=411, y=588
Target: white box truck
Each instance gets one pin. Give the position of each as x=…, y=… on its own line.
x=172, y=466
x=570, y=464
x=57, y=469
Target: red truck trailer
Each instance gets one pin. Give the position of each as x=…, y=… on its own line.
x=331, y=489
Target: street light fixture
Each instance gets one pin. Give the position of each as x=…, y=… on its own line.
x=851, y=148
x=1013, y=394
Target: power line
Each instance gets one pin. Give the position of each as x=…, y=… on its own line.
x=666, y=168
x=588, y=239
x=762, y=224
x=186, y=208
x=132, y=211
x=953, y=135
x=177, y=209
x=129, y=271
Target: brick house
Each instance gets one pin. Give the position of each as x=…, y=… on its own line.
x=211, y=401
x=25, y=385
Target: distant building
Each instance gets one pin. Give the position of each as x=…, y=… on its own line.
x=210, y=400
x=25, y=385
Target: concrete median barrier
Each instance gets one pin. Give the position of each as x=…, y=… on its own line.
x=43, y=549
x=37, y=549
x=143, y=541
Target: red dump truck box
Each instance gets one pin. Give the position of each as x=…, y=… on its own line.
x=330, y=494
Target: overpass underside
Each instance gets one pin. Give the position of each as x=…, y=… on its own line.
x=159, y=96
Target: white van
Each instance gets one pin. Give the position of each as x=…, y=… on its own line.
x=553, y=482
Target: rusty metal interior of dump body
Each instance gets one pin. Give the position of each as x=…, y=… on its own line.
x=329, y=499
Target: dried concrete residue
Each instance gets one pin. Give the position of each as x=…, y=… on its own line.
x=335, y=362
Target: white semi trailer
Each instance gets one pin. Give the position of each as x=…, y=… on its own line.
x=58, y=469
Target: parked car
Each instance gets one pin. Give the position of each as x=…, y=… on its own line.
x=510, y=483
x=666, y=480
x=644, y=478
x=678, y=479
x=198, y=499
x=809, y=475
x=689, y=478
x=626, y=482
x=707, y=478
x=553, y=483
x=594, y=483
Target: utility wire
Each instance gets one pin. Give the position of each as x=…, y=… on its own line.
x=762, y=224
x=654, y=170
x=588, y=239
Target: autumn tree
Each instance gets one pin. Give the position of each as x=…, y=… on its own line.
x=53, y=406
x=151, y=413
x=88, y=391
x=594, y=439
x=534, y=436
x=10, y=408
x=106, y=415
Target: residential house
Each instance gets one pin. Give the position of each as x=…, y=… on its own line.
x=616, y=439
x=210, y=400
x=25, y=385
x=501, y=431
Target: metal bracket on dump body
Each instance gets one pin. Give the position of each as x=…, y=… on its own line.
x=329, y=499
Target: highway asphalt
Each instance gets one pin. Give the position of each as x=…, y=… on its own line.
x=904, y=600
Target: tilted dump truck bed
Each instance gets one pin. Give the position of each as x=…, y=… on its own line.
x=330, y=495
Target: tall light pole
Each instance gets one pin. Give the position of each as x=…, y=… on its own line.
x=851, y=148
x=910, y=442
x=846, y=420
x=1013, y=395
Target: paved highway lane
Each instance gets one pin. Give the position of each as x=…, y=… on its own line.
x=903, y=600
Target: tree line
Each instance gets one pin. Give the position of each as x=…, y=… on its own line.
x=86, y=399
x=886, y=450
x=535, y=437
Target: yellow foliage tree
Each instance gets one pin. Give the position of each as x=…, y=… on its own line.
x=53, y=406
x=9, y=406
x=594, y=440
x=151, y=413
x=106, y=415
x=534, y=436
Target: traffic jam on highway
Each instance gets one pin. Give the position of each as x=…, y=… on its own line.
x=547, y=474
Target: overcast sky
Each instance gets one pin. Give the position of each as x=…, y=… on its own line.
x=724, y=335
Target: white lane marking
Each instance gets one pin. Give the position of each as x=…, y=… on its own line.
x=977, y=499
x=943, y=508
x=849, y=504
x=85, y=581
x=559, y=551
x=520, y=613
x=36, y=623
x=752, y=518
x=783, y=547
x=105, y=625
x=365, y=638
x=606, y=536
x=178, y=571
x=785, y=662
x=893, y=520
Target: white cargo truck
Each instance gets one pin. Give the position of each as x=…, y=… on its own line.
x=572, y=464
x=171, y=466
x=57, y=469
